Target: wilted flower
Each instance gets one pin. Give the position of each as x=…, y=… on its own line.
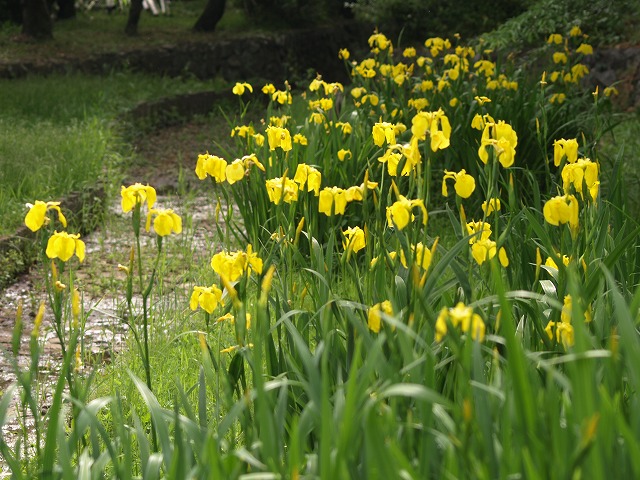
x=608, y=91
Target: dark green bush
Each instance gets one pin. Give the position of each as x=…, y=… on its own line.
x=605, y=21
x=421, y=19
x=295, y=13
x=10, y=11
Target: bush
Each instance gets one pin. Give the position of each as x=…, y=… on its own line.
x=418, y=19
x=606, y=21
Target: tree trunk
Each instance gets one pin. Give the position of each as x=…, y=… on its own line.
x=211, y=16
x=36, y=21
x=66, y=9
x=134, y=17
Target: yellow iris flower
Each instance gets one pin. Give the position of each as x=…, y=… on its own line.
x=565, y=149
x=355, y=239
x=213, y=166
x=584, y=171
x=562, y=209
x=235, y=171
x=207, y=298
x=421, y=255
x=464, y=184
x=399, y=214
x=332, y=200
x=483, y=250
x=343, y=154
x=63, y=245
x=268, y=89
x=137, y=194
x=503, y=139
x=436, y=124
x=165, y=222
x=279, y=137
x=37, y=214
x=282, y=188
x=239, y=88
x=585, y=49
x=374, y=317
x=460, y=316
x=231, y=265
x=310, y=176
x=384, y=131
x=491, y=205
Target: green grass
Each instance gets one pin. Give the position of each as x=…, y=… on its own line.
x=622, y=146
x=61, y=133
